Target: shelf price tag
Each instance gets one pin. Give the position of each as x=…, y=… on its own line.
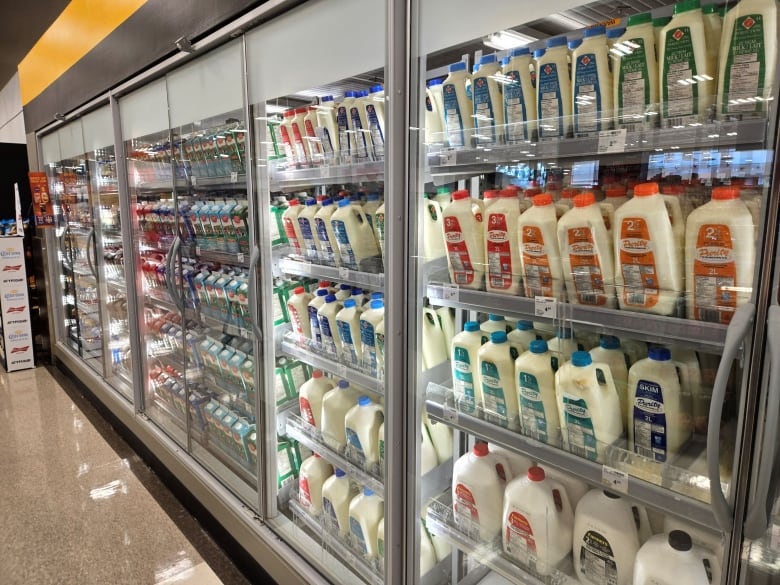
x=446, y=292
x=450, y=414
x=343, y=273
x=194, y=180
x=546, y=307
x=341, y=370
x=197, y=250
x=448, y=158
x=612, y=141
x=234, y=177
x=614, y=479
x=240, y=258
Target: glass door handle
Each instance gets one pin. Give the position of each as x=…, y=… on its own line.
x=253, y=313
x=92, y=250
x=762, y=499
x=170, y=281
x=735, y=335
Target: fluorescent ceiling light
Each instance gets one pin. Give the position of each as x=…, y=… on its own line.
x=274, y=109
x=504, y=40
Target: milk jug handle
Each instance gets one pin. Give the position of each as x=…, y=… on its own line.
x=359, y=211
x=565, y=501
x=706, y=555
x=737, y=331
x=762, y=499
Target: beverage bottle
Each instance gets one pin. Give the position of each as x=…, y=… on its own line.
x=447, y=323
x=510, y=464
x=501, y=251
x=314, y=320
x=458, y=123
x=298, y=310
x=335, y=405
x=428, y=459
x=355, y=238
x=347, y=143
x=328, y=244
x=553, y=89
x=443, y=197
x=488, y=103
x=433, y=339
x=369, y=320
x=519, y=96
x=361, y=424
x=609, y=352
x=464, y=237
x=671, y=558
x=291, y=227
x=434, y=116
x=575, y=488
x=490, y=197
x=563, y=345
x=311, y=241
x=288, y=142
x=677, y=191
x=348, y=325
x=337, y=493
x=327, y=128
x=658, y=26
x=373, y=201
x=493, y=323
x=467, y=383
x=592, y=91
x=375, y=119
x=540, y=258
x=329, y=333
x=366, y=511
x=713, y=28
x=310, y=396
x=635, y=70
x=358, y=124
x=344, y=292
x=300, y=144
x=498, y=380
x=615, y=196
x=314, y=471
x=535, y=378
x=312, y=140
x=520, y=338
x=477, y=494
x=433, y=229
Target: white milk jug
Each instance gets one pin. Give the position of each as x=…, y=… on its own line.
x=447, y=323
x=477, y=494
x=310, y=396
x=311, y=240
x=335, y=405
x=428, y=458
x=487, y=99
x=514, y=464
x=441, y=437
x=434, y=117
x=428, y=558
x=519, y=96
x=466, y=379
x=501, y=251
x=713, y=30
x=344, y=292
x=562, y=346
x=331, y=342
x=553, y=89
x=369, y=320
x=375, y=118
x=701, y=537
x=329, y=246
x=379, y=228
x=695, y=392
x=609, y=352
x=348, y=325
x=366, y=510
x=535, y=376
x=355, y=237
x=298, y=309
x=464, y=238
x=615, y=196
x=458, y=123
x=291, y=227
x=433, y=339
x=361, y=424
x=433, y=230
x=314, y=316
x=314, y=471
x=520, y=338
x=575, y=488
x=668, y=559
x=373, y=201
x=327, y=128
x=635, y=73
x=337, y=493
x=540, y=257
x=592, y=83
x=493, y=323
x=498, y=386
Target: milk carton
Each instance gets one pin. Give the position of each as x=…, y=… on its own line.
x=493, y=323
x=520, y=338
x=292, y=228
x=537, y=403
x=298, y=309
x=464, y=237
x=477, y=494
x=314, y=320
x=314, y=471
x=497, y=374
x=337, y=493
x=433, y=338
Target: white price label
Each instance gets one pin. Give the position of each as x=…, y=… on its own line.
x=234, y=177
x=343, y=272
x=450, y=414
x=341, y=370
x=325, y=172
x=614, y=479
x=546, y=307
x=612, y=141
x=447, y=292
x=240, y=258
x=194, y=179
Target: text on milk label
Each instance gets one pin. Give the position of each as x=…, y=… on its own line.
x=585, y=267
x=354, y=447
x=649, y=421
x=464, y=380
x=745, y=66
x=345, y=248
x=580, y=436
x=499, y=252
x=345, y=136
x=465, y=509
x=520, y=542
x=304, y=493
x=347, y=343
x=453, y=117
x=493, y=391
x=587, y=94
x=515, y=115
x=375, y=128
x=325, y=140
x=483, y=110
x=289, y=231
x=328, y=342
x=358, y=538
x=458, y=251
x=314, y=320
x=360, y=136
x=550, y=101
x=680, y=97
x=308, y=237
x=714, y=275
x=532, y=415
x=637, y=264
x=538, y=276
x=597, y=560
x=326, y=248
x=633, y=83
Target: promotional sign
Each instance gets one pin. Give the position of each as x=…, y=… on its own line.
x=42, y=205
x=17, y=338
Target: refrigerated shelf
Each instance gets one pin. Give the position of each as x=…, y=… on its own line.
x=228, y=328
x=287, y=179
x=370, y=280
x=234, y=181
x=231, y=258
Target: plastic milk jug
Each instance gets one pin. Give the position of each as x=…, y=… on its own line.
x=358, y=123
x=538, y=521
x=433, y=338
x=540, y=258
x=348, y=325
x=685, y=71
x=477, y=494
x=312, y=139
x=447, y=323
x=314, y=471
x=608, y=531
x=563, y=345
x=301, y=145
x=298, y=309
x=535, y=377
x=288, y=142
x=327, y=128
x=720, y=256
x=514, y=464
x=375, y=118
x=428, y=558
x=344, y=292
x=329, y=246
x=493, y=323
x=488, y=102
x=311, y=241
x=748, y=55
x=586, y=254
x=659, y=417
x=519, y=96
x=635, y=73
x=434, y=117
x=609, y=352
x=366, y=511
x=428, y=459
x=658, y=26
x=362, y=428
x=575, y=488
x=588, y=406
x=441, y=437
x=337, y=493
x=466, y=379
x=502, y=254
x=592, y=90
x=433, y=229
x=435, y=89
x=355, y=236
x=490, y=197
x=310, y=396
x=648, y=273
x=694, y=391
x=347, y=142
x=373, y=201
x=458, y=123
x=291, y=227
x=379, y=228
x=553, y=89
x=520, y=338
x=314, y=316
x=713, y=28
x=464, y=237
x=668, y=559
x=335, y=405
x=615, y=196
x=329, y=333
x=368, y=322
x=498, y=386
x=701, y=537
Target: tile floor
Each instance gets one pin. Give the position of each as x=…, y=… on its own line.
x=78, y=506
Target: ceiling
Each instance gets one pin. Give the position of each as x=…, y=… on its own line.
x=21, y=25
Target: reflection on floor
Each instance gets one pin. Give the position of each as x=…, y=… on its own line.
x=78, y=506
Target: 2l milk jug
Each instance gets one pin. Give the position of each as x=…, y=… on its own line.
x=713, y=31
x=327, y=128
x=348, y=325
x=519, y=96
x=540, y=257
x=563, y=345
x=501, y=252
x=635, y=73
x=588, y=406
x=458, y=121
x=361, y=424
x=329, y=245
x=335, y=405
x=538, y=521
x=314, y=471
x=329, y=333
x=609, y=352
x=291, y=227
x=375, y=117
x=669, y=559
x=441, y=437
x=648, y=273
x=464, y=237
x=355, y=237
x=466, y=379
x=373, y=201
x=366, y=510
x=477, y=494
x=379, y=228
x=592, y=83
x=447, y=323
x=433, y=229
x=553, y=89
x=369, y=320
x=434, y=116
x=535, y=377
x=493, y=323
x=498, y=380
x=434, y=342
x=314, y=316
x=298, y=309
x=310, y=396
x=488, y=103
x=520, y=338
x=720, y=256
x=428, y=458
x=337, y=492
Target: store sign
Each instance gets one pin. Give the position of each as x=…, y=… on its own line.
x=42, y=206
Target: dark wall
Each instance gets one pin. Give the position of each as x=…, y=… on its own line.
x=13, y=169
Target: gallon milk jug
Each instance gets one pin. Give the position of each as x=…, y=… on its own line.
x=562, y=346
x=329, y=333
x=375, y=118
x=368, y=322
x=335, y=405
x=314, y=316
x=520, y=338
x=344, y=292
x=553, y=89
x=719, y=257
x=608, y=532
x=433, y=230
x=540, y=258
x=488, y=103
x=314, y=471
x=501, y=251
x=428, y=558
x=575, y=488
x=458, y=123
x=713, y=29
x=366, y=510
x=298, y=309
x=373, y=201
x=337, y=493
x=682, y=56
x=434, y=117
x=748, y=57
x=327, y=128
x=498, y=386
x=535, y=376
x=347, y=143
x=329, y=246
x=466, y=379
x=441, y=437
x=519, y=96
x=668, y=559
x=648, y=273
x=434, y=341
x=310, y=396
x=291, y=227
x=447, y=324
x=701, y=537
x=635, y=70
x=428, y=459
x=464, y=238
x=588, y=406
x=586, y=254
x=348, y=325
x=493, y=323
x=514, y=464
x=477, y=494
x=609, y=352
x=379, y=228
x=538, y=521
x=355, y=237
x=362, y=429
x=592, y=83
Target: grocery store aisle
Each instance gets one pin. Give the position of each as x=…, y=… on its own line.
x=78, y=505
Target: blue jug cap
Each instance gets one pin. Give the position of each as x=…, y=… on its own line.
x=581, y=359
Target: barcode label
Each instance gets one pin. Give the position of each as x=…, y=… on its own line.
x=588, y=299
x=614, y=479
x=578, y=450
x=709, y=315
x=644, y=451
x=636, y=299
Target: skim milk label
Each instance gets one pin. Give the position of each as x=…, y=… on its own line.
x=289, y=231
x=499, y=252
x=633, y=84
x=453, y=117
x=375, y=128
x=637, y=264
x=550, y=105
x=345, y=137
x=464, y=380
x=368, y=337
x=484, y=118
x=345, y=248
x=519, y=542
x=537, y=274
x=681, y=99
x=361, y=141
x=347, y=343
x=304, y=493
x=358, y=538
x=587, y=95
x=745, y=66
x=714, y=275
x=532, y=416
x=597, y=561
x=306, y=411
x=465, y=511
x=649, y=420
x=354, y=447
x=458, y=251
x=314, y=320
x=326, y=332
x=579, y=436
x=308, y=238
x=585, y=267
x=326, y=247
x=494, y=393
x=515, y=115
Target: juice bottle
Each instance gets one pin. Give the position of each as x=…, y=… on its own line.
x=464, y=237
x=519, y=96
x=458, y=123
x=539, y=253
x=501, y=251
x=291, y=227
x=635, y=74
x=592, y=83
x=498, y=380
x=535, y=378
x=328, y=244
x=553, y=89
x=609, y=352
x=477, y=494
x=314, y=471
x=355, y=238
x=467, y=384
x=310, y=396
x=311, y=241
x=488, y=104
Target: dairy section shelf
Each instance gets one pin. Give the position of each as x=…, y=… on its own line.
x=440, y=406
x=228, y=328
x=285, y=179
x=233, y=259
x=234, y=181
x=372, y=281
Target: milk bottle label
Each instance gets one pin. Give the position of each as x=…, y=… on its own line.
x=326, y=334
x=314, y=320
x=287, y=142
x=300, y=151
x=311, y=133
x=326, y=247
x=345, y=248
x=380, y=344
x=304, y=494
x=633, y=84
x=483, y=110
x=714, y=275
x=464, y=380
x=306, y=411
x=344, y=136
x=681, y=99
x=368, y=338
x=325, y=139
x=520, y=542
x=354, y=448
x=637, y=264
x=514, y=109
x=358, y=539
x=580, y=436
x=347, y=343
x=587, y=94
x=295, y=318
x=597, y=560
x=360, y=136
x=308, y=238
x=376, y=131
x=329, y=517
x=550, y=101
x=538, y=277
x=499, y=252
x=649, y=421
x=493, y=391
x=532, y=415
x=289, y=231
x=465, y=509
x=380, y=230
x=458, y=251
x=453, y=117
x=745, y=66
x=585, y=267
